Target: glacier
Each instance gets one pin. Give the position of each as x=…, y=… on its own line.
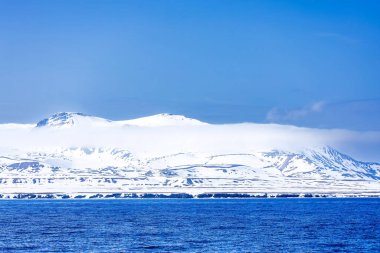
x=71, y=155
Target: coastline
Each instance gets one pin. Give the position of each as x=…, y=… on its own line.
x=89, y=196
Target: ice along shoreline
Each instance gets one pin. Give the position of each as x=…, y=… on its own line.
x=60, y=196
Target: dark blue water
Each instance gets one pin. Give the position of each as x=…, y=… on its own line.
x=190, y=225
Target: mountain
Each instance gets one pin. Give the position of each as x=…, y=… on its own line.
x=70, y=119
x=164, y=119
x=75, y=119
x=90, y=156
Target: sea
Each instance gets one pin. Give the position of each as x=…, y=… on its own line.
x=191, y=225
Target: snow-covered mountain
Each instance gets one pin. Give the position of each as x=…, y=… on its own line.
x=70, y=119
x=76, y=154
x=76, y=119
x=163, y=119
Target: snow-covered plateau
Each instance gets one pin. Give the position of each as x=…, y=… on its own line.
x=74, y=155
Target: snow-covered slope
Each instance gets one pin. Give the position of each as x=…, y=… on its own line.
x=70, y=119
x=75, y=154
x=163, y=119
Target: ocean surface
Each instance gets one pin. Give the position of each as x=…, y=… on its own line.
x=190, y=225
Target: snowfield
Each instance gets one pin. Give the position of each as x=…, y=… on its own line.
x=72, y=154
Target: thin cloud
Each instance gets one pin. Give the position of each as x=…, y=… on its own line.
x=207, y=139
x=277, y=114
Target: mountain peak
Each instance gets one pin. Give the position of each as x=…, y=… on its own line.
x=164, y=119
x=69, y=119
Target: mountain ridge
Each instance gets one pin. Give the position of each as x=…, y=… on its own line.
x=70, y=119
x=78, y=154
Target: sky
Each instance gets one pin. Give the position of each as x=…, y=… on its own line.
x=305, y=63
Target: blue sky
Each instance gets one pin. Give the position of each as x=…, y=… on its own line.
x=307, y=63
